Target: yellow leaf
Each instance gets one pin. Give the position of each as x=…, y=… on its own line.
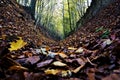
x=52, y=71
x=17, y=45
x=72, y=48
x=63, y=73
x=60, y=64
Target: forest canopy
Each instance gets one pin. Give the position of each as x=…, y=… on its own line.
x=57, y=17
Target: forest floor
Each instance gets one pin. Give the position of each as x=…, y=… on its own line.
x=91, y=53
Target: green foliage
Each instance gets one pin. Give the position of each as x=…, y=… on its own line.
x=99, y=29
x=105, y=34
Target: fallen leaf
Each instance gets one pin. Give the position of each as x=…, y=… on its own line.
x=58, y=63
x=117, y=71
x=108, y=42
x=17, y=68
x=47, y=48
x=44, y=51
x=80, y=61
x=72, y=48
x=90, y=62
x=66, y=73
x=63, y=73
x=112, y=77
x=91, y=74
x=113, y=36
x=74, y=79
x=38, y=51
x=4, y=37
x=21, y=56
x=78, y=69
x=52, y=54
x=17, y=45
x=27, y=54
x=80, y=50
x=105, y=43
x=10, y=61
x=52, y=71
x=1, y=26
x=62, y=54
x=44, y=63
x=33, y=59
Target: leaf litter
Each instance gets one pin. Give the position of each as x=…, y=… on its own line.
x=92, y=55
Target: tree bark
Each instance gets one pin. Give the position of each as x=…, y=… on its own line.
x=69, y=14
x=32, y=6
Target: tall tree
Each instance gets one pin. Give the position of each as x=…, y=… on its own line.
x=69, y=11
x=33, y=6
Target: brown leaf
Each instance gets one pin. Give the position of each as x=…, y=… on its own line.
x=113, y=36
x=33, y=76
x=47, y=48
x=112, y=77
x=91, y=74
x=27, y=54
x=44, y=63
x=4, y=37
x=17, y=68
x=78, y=69
x=74, y=79
x=21, y=56
x=18, y=75
x=33, y=59
x=62, y=54
x=80, y=61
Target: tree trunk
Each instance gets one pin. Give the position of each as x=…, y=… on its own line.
x=69, y=14
x=32, y=6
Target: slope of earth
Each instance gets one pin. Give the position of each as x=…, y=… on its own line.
x=100, y=37
x=14, y=21
x=92, y=53
x=107, y=19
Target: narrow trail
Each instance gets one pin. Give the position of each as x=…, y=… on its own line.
x=91, y=53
